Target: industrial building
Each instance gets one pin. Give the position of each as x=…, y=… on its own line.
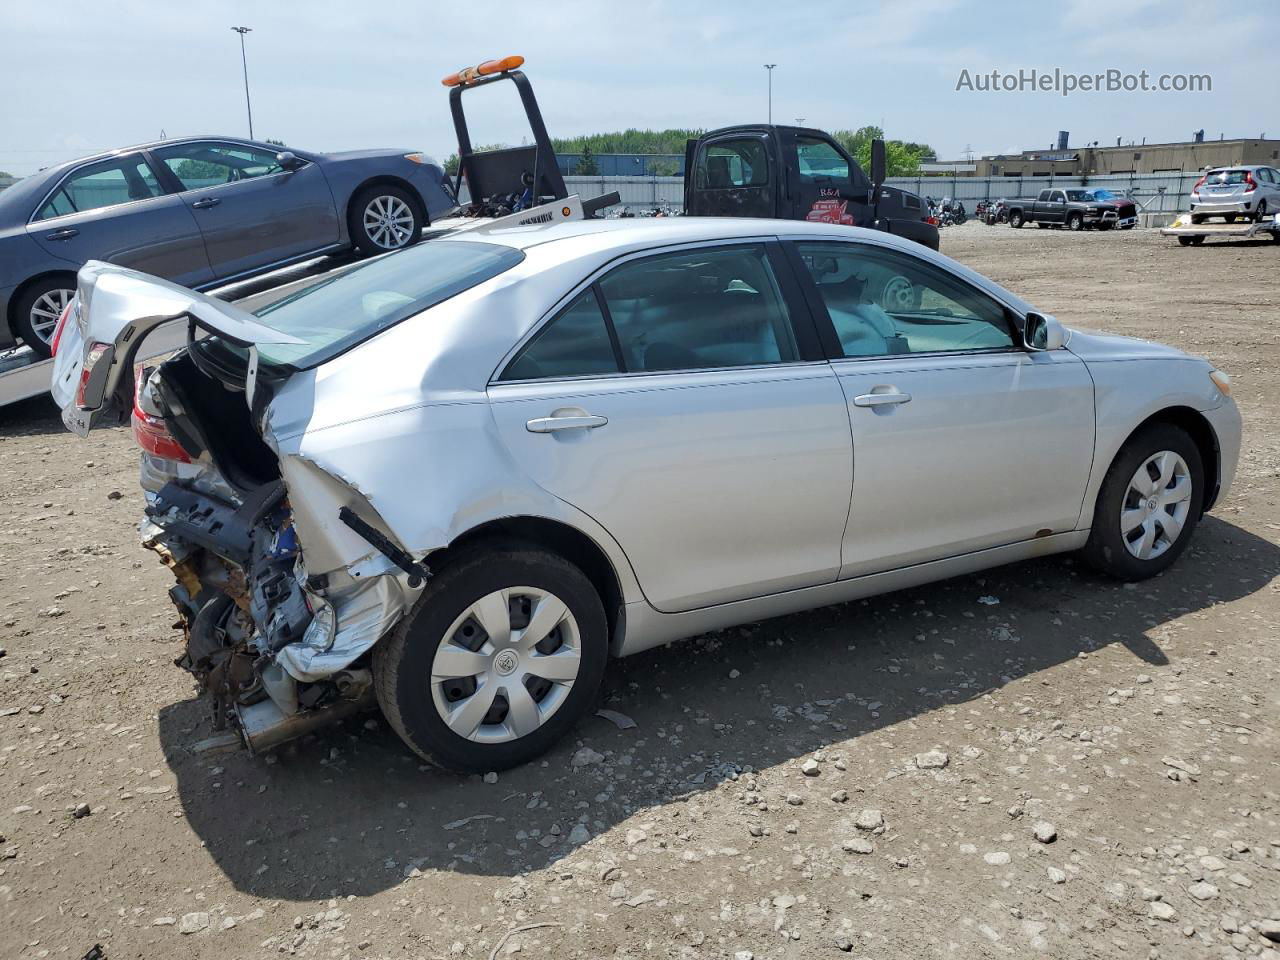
x=1134, y=158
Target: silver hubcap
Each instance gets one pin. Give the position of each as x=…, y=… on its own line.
x=899, y=294
x=389, y=222
x=1156, y=505
x=46, y=311
x=506, y=665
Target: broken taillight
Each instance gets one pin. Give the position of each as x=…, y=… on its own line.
x=150, y=432
x=92, y=357
x=57, y=331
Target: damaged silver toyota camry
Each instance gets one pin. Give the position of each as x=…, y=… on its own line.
x=456, y=479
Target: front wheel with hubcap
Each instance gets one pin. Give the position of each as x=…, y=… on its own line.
x=504, y=651
x=384, y=218
x=1149, y=504
x=38, y=310
x=1075, y=222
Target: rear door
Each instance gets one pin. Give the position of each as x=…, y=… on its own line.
x=251, y=212
x=679, y=401
x=117, y=210
x=734, y=176
x=961, y=439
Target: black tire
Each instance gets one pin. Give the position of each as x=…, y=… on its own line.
x=1075, y=221
x=1198, y=240
x=1229, y=218
x=1015, y=219
x=1105, y=225
x=1260, y=212
x=402, y=663
x=1197, y=218
x=31, y=310
x=1184, y=241
x=391, y=199
x=1106, y=550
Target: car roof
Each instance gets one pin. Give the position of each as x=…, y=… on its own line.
x=621, y=234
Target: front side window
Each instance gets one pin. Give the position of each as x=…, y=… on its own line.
x=104, y=184
x=727, y=164
x=202, y=165
x=882, y=302
x=819, y=160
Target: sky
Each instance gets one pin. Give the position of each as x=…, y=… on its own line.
x=78, y=78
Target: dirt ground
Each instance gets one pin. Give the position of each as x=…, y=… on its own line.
x=953, y=728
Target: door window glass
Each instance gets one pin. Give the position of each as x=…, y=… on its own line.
x=202, y=165
x=727, y=164
x=575, y=344
x=883, y=302
x=819, y=160
x=104, y=184
x=707, y=308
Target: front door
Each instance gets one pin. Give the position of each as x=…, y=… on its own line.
x=962, y=440
x=251, y=212
x=671, y=402
x=116, y=210
x=827, y=187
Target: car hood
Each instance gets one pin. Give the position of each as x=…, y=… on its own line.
x=1093, y=345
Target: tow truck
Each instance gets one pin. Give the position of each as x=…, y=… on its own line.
x=1189, y=233
x=508, y=187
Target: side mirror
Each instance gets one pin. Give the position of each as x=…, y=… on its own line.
x=877, y=163
x=1043, y=332
x=288, y=160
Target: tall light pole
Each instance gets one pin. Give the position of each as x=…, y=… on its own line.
x=245, y=63
x=769, y=67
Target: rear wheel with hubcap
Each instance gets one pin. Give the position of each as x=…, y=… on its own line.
x=503, y=652
x=1015, y=219
x=1149, y=504
x=385, y=218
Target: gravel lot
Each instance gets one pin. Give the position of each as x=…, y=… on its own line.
x=1033, y=762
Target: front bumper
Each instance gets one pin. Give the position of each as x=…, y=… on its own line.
x=1227, y=428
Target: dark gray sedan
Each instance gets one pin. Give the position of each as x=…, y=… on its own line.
x=201, y=211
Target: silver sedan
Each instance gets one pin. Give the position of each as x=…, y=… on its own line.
x=457, y=479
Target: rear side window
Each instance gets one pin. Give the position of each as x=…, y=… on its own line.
x=699, y=309
x=104, y=184
x=335, y=314
x=201, y=165
x=575, y=344
x=727, y=164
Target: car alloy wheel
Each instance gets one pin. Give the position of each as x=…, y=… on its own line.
x=506, y=665
x=1156, y=504
x=46, y=310
x=388, y=221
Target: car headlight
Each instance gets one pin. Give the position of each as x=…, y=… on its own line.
x=417, y=158
x=320, y=631
x=1221, y=381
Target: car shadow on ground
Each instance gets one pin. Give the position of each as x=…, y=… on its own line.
x=352, y=812
x=36, y=416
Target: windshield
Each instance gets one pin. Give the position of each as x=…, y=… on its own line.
x=1090, y=195
x=337, y=313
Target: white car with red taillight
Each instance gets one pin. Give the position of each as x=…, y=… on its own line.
x=1231, y=192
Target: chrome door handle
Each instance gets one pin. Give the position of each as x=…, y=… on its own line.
x=66, y=233
x=881, y=399
x=206, y=202
x=553, y=424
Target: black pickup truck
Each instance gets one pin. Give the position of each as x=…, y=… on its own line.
x=794, y=173
x=1075, y=208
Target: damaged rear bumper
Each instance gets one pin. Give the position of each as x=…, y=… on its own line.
x=280, y=648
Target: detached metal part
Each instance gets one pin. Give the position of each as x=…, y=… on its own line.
x=265, y=726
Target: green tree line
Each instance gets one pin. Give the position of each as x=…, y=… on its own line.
x=902, y=157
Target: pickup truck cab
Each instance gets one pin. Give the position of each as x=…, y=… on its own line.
x=1074, y=208
x=794, y=173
